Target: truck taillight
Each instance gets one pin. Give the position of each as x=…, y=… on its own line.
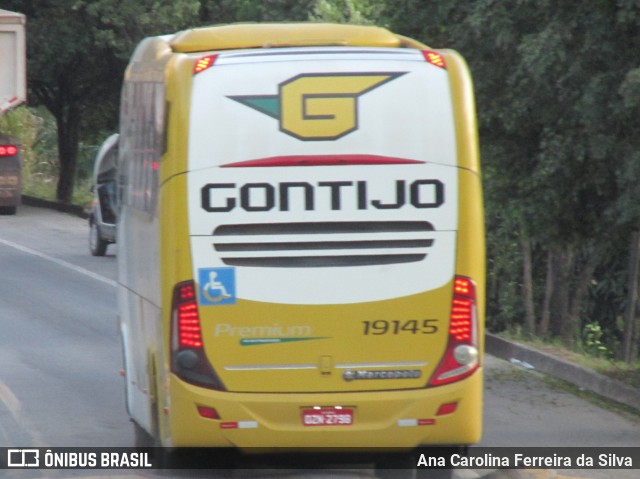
x=8, y=150
x=460, y=359
x=188, y=358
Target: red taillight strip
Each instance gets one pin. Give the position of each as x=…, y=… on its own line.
x=204, y=63
x=462, y=334
x=434, y=58
x=461, y=319
x=322, y=160
x=188, y=357
x=189, y=331
x=462, y=309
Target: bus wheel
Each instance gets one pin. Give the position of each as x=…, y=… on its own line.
x=141, y=437
x=8, y=210
x=164, y=458
x=435, y=474
x=97, y=245
x=404, y=466
x=396, y=466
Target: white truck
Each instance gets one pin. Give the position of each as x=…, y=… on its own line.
x=13, y=92
x=13, y=52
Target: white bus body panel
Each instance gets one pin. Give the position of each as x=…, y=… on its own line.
x=408, y=117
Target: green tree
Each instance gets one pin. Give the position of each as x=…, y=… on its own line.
x=230, y=11
x=558, y=91
x=360, y=12
x=557, y=88
x=561, y=96
x=628, y=168
x=77, y=53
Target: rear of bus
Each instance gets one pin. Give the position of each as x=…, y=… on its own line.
x=334, y=288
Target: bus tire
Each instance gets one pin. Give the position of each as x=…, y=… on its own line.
x=163, y=458
x=403, y=465
x=97, y=245
x=435, y=474
x=8, y=210
x=141, y=437
x=397, y=465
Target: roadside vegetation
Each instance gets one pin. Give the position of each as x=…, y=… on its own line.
x=582, y=355
x=36, y=130
x=558, y=95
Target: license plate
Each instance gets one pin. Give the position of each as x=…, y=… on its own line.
x=9, y=181
x=327, y=416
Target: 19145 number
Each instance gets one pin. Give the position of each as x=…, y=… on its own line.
x=410, y=326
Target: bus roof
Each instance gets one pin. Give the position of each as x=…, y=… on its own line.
x=269, y=35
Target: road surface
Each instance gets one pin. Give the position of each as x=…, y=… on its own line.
x=60, y=361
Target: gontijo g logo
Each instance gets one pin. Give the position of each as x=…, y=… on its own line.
x=318, y=106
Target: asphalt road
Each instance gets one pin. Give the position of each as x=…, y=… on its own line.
x=60, y=360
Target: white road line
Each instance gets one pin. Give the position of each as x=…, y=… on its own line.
x=7, y=397
x=9, y=400
x=60, y=262
x=13, y=404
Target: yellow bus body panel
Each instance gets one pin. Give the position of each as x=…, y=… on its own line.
x=376, y=419
x=251, y=35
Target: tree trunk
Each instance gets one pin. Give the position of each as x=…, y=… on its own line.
x=559, y=325
x=629, y=349
x=635, y=341
x=582, y=282
x=543, y=328
x=68, y=123
x=527, y=288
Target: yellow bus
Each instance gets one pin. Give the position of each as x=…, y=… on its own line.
x=300, y=240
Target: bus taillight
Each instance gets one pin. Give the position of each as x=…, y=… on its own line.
x=434, y=58
x=461, y=356
x=188, y=358
x=204, y=63
x=188, y=319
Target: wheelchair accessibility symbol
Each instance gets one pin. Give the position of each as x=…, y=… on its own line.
x=217, y=286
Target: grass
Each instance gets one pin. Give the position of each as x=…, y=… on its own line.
x=622, y=409
x=45, y=188
x=560, y=385
x=628, y=374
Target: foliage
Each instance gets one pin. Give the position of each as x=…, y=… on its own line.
x=35, y=130
x=592, y=336
x=558, y=91
x=360, y=12
x=229, y=11
x=71, y=69
x=558, y=94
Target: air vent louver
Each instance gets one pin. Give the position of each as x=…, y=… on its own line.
x=330, y=244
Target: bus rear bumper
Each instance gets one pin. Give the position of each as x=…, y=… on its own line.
x=445, y=415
